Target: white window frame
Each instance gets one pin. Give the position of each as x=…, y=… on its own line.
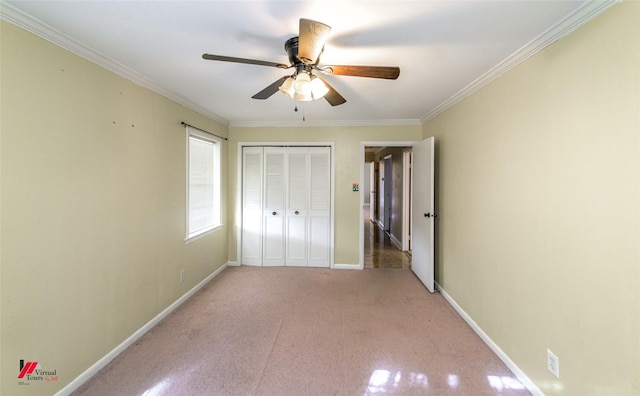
x=193, y=133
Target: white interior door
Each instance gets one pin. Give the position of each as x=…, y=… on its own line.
x=274, y=207
x=252, y=206
x=406, y=201
x=297, y=233
x=319, y=207
x=423, y=214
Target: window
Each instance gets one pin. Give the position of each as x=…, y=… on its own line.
x=203, y=183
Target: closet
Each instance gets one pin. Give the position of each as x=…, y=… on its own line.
x=286, y=206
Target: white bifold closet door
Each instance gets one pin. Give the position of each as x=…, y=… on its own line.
x=293, y=227
x=274, y=206
x=297, y=226
x=319, y=212
x=252, y=172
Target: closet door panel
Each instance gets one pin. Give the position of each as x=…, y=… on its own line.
x=274, y=207
x=273, y=241
x=319, y=249
x=319, y=206
x=296, y=215
x=252, y=206
x=296, y=242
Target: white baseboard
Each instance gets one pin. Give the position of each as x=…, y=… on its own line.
x=397, y=243
x=522, y=377
x=347, y=266
x=334, y=266
x=97, y=366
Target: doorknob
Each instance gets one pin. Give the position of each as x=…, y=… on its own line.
x=274, y=213
x=430, y=215
x=296, y=212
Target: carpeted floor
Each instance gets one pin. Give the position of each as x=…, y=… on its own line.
x=306, y=331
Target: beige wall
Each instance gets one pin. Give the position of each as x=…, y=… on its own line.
x=539, y=208
x=93, y=210
x=348, y=165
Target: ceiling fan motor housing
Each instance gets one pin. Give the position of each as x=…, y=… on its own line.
x=291, y=46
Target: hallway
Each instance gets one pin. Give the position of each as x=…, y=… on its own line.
x=379, y=252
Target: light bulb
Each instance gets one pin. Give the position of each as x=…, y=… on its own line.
x=303, y=85
x=304, y=97
x=318, y=88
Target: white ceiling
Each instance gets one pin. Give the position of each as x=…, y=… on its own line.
x=445, y=49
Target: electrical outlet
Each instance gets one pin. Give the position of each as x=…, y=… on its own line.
x=553, y=364
x=181, y=275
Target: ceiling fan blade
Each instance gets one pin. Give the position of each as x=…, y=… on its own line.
x=333, y=97
x=386, y=72
x=312, y=37
x=243, y=60
x=270, y=90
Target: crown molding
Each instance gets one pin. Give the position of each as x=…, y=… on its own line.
x=284, y=124
x=42, y=30
x=46, y=32
x=584, y=14
x=573, y=21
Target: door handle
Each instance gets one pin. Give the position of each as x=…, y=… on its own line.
x=434, y=215
x=296, y=212
x=274, y=213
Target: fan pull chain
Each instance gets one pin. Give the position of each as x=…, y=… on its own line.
x=304, y=118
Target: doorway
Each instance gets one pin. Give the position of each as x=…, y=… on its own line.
x=386, y=219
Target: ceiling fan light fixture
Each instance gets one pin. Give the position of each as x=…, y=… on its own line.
x=303, y=85
x=306, y=97
x=318, y=88
x=288, y=87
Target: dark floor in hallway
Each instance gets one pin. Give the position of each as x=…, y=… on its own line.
x=379, y=251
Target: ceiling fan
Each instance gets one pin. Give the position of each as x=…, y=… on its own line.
x=304, y=55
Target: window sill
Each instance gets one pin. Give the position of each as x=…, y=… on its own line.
x=202, y=233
